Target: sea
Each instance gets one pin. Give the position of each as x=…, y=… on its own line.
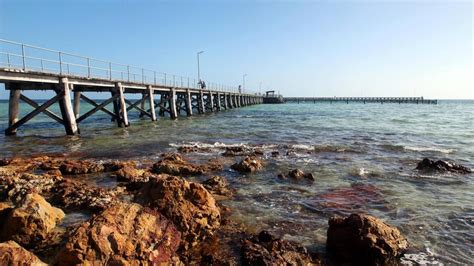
x=363, y=157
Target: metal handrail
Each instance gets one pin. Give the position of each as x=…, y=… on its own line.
x=127, y=73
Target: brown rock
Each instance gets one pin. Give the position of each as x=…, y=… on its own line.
x=265, y=249
x=189, y=149
x=187, y=204
x=429, y=165
x=124, y=234
x=298, y=174
x=75, y=195
x=31, y=221
x=248, y=165
x=5, y=162
x=130, y=174
x=72, y=167
x=13, y=254
x=218, y=185
x=17, y=186
x=364, y=239
x=174, y=164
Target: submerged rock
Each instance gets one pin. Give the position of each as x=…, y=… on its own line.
x=248, y=165
x=5, y=161
x=364, y=239
x=298, y=174
x=218, y=185
x=265, y=249
x=13, y=254
x=189, y=205
x=442, y=166
x=31, y=220
x=174, y=164
x=124, y=234
x=75, y=195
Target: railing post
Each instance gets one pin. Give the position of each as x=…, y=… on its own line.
x=60, y=64
x=88, y=67
x=110, y=70
x=42, y=66
x=165, y=78
x=188, y=82
x=8, y=59
x=174, y=80
x=23, y=56
x=154, y=77
x=143, y=76
x=128, y=73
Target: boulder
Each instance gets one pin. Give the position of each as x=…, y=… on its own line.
x=124, y=234
x=265, y=249
x=130, y=174
x=364, y=239
x=174, y=164
x=31, y=220
x=5, y=162
x=298, y=174
x=218, y=185
x=428, y=165
x=13, y=254
x=74, y=195
x=18, y=186
x=73, y=167
x=248, y=165
x=189, y=205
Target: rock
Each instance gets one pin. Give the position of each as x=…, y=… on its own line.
x=275, y=153
x=16, y=187
x=174, y=164
x=31, y=221
x=130, y=174
x=298, y=174
x=74, y=195
x=234, y=151
x=124, y=234
x=5, y=161
x=364, y=239
x=248, y=165
x=5, y=209
x=70, y=167
x=195, y=148
x=265, y=249
x=218, y=185
x=13, y=254
x=113, y=166
x=189, y=205
x=429, y=165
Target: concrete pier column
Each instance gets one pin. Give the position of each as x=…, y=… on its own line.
x=189, y=106
x=65, y=106
x=77, y=104
x=211, y=101
x=13, y=105
x=122, y=105
x=202, y=107
x=173, y=110
x=151, y=101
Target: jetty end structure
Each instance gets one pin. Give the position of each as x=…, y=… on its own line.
x=382, y=100
x=26, y=67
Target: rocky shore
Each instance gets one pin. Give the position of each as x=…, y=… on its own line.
x=156, y=215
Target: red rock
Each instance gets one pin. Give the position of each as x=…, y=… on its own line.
x=13, y=254
x=189, y=205
x=265, y=249
x=364, y=239
x=175, y=164
x=130, y=174
x=72, y=167
x=248, y=165
x=218, y=185
x=124, y=234
x=31, y=220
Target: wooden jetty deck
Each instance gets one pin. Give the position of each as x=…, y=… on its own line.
x=382, y=100
x=26, y=67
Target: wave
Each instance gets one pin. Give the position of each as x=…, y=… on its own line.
x=421, y=149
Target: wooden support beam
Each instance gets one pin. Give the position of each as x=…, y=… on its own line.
x=151, y=101
x=142, y=103
x=13, y=106
x=211, y=101
x=122, y=105
x=132, y=105
x=224, y=98
x=70, y=124
x=201, y=102
x=77, y=104
x=11, y=130
x=45, y=111
x=98, y=107
x=189, y=106
x=173, y=111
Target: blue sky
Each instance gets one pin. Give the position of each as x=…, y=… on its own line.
x=300, y=48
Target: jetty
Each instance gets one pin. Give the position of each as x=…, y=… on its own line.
x=382, y=100
x=71, y=77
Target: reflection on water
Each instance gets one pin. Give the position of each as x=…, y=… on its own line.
x=362, y=156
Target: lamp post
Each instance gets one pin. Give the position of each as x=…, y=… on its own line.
x=243, y=81
x=199, y=71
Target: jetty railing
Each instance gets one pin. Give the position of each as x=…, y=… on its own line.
x=25, y=57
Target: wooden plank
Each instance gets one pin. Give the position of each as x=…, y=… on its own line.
x=189, y=106
x=173, y=111
x=91, y=102
x=77, y=103
x=132, y=105
x=123, y=106
x=13, y=105
x=45, y=111
x=97, y=108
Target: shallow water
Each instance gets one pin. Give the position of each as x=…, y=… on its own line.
x=362, y=156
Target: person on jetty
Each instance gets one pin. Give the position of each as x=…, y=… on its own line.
x=202, y=84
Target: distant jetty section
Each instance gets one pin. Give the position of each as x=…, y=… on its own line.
x=382, y=100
